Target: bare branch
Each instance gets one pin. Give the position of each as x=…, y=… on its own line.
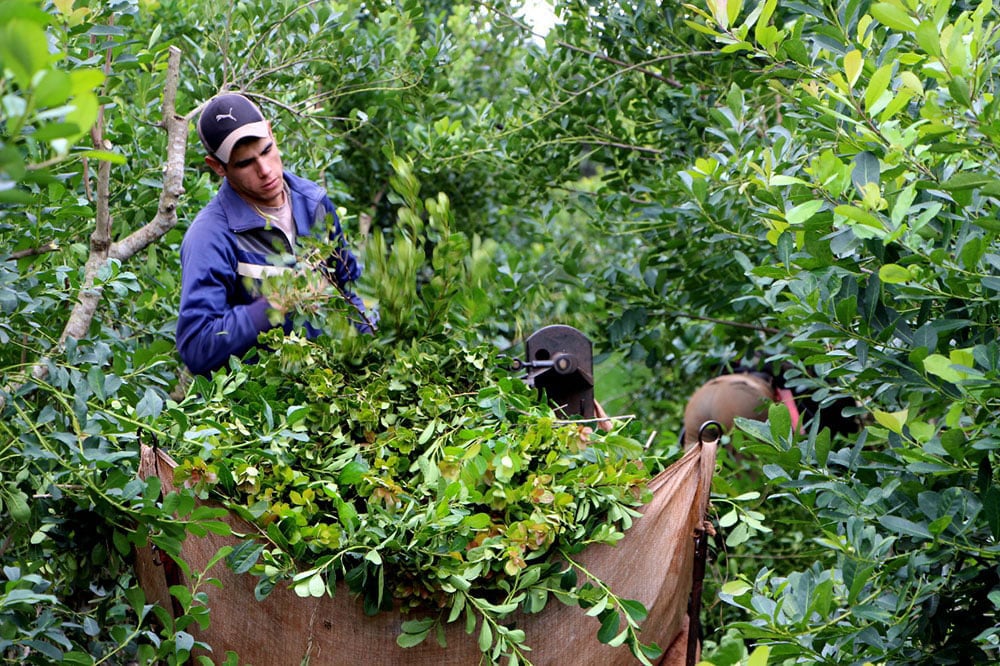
x=101, y=247
x=32, y=251
x=173, y=172
x=100, y=240
x=736, y=324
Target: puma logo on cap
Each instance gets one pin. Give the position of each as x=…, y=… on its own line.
x=219, y=137
x=220, y=116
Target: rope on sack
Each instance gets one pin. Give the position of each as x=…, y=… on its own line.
x=150, y=457
x=701, y=535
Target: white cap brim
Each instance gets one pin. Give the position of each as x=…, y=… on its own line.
x=257, y=130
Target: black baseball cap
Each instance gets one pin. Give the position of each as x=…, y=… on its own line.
x=225, y=120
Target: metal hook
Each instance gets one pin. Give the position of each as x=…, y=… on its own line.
x=708, y=425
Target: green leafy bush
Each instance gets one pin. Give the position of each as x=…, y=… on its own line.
x=862, y=147
x=410, y=464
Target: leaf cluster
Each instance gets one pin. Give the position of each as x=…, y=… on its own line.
x=408, y=464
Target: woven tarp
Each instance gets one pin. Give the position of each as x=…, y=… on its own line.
x=652, y=564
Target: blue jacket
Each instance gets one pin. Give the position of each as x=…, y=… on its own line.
x=224, y=254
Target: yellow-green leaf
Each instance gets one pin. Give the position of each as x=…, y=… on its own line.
x=896, y=104
x=893, y=16
x=962, y=357
x=941, y=366
x=894, y=274
x=759, y=656
x=52, y=88
x=853, y=63
x=736, y=588
x=894, y=421
x=105, y=155
x=24, y=50
x=701, y=27
x=877, y=85
x=317, y=587
x=929, y=38
x=733, y=10
x=803, y=212
x=859, y=215
x=85, y=80
x=84, y=113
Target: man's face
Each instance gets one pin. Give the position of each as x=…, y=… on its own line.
x=254, y=171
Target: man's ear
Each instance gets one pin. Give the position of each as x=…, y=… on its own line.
x=215, y=165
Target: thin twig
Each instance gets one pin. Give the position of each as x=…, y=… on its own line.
x=32, y=251
x=736, y=324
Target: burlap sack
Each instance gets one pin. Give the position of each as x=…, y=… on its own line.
x=652, y=564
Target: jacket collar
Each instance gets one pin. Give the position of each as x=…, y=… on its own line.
x=241, y=216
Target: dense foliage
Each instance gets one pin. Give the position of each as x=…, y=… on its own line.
x=812, y=182
x=412, y=464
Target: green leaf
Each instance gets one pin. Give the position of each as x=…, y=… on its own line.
x=894, y=274
x=959, y=89
x=853, y=64
x=150, y=406
x=893, y=16
x=878, y=85
x=969, y=181
x=939, y=525
x=735, y=101
x=411, y=640
x=906, y=527
x=991, y=508
x=780, y=420
x=804, y=212
x=610, y=621
x=485, y=637
x=17, y=504
x=353, y=473
x=244, y=556
x=866, y=170
x=23, y=50
x=634, y=609
x=894, y=421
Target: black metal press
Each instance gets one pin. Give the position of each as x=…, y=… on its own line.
x=560, y=363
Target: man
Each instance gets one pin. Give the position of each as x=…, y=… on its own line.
x=725, y=397
x=749, y=393
x=256, y=216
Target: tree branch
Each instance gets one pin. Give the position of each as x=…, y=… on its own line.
x=32, y=251
x=176, y=127
x=736, y=324
x=100, y=240
x=101, y=247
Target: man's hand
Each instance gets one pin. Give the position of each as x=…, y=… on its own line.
x=303, y=290
x=605, y=421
